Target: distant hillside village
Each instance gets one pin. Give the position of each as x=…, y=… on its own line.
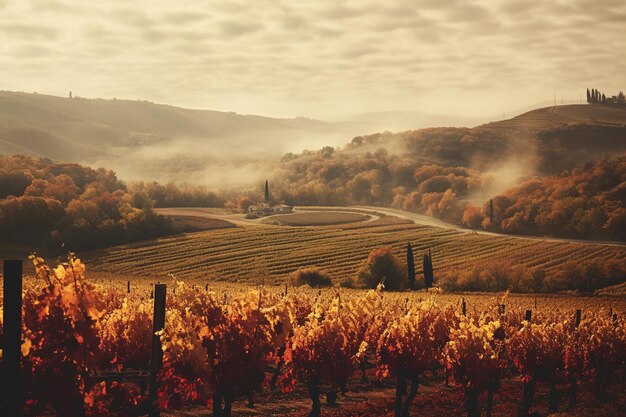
x=596, y=97
x=266, y=208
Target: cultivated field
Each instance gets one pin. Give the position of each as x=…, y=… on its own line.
x=343, y=319
x=320, y=218
x=267, y=253
x=550, y=117
x=195, y=223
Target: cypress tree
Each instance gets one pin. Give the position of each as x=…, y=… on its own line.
x=428, y=270
x=267, y=192
x=588, y=96
x=491, y=210
x=410, y=263
x=430, y=267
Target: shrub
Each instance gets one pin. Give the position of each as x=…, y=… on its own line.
x=383, y=263
x=485, y=275
x=347, y=283
x=313, y=277
x=501, y=274
x=472, y=217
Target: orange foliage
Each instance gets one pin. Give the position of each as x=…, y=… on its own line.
x=587, y=202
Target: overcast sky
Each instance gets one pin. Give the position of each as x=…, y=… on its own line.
x=317, y=58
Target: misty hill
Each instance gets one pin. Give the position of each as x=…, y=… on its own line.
x=567, y=115
x=143, y=140
x=564, y=137
x=546, y=141
x=405, y=120
x=125, y=134
x=118, y=123
x=574, y=154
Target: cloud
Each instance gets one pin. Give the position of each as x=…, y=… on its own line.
x=237, y=28
x=29, y=32
x=341, y=12
x=358, y=52
x=185, y=17
x=468, y=12
x=132, y=17
x=321, y=59
x=31, y=51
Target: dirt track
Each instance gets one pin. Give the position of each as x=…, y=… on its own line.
x=431, y=221
x=240, y=220
x=211, y=213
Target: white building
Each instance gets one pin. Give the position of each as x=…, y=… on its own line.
x=265, y=209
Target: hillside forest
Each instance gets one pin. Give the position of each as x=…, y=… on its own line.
x=66, y=207
x=567, y=182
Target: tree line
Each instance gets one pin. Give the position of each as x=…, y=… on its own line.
x=594, y=96
x=59, y=207
x=583, y=202
x=385, y=266
x=586, y=202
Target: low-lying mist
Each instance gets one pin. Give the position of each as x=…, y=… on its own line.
x=220, y=163
x=503, y=177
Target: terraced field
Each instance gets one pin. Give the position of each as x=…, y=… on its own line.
x=562, y=115
x=270, y=253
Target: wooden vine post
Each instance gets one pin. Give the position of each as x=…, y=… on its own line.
x=528, y=390
x=571, y=377
x=156, y=361
x=12, y=331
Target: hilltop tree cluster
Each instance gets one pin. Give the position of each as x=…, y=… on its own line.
x=597, y=97
x=499, y=274
x=62, y=207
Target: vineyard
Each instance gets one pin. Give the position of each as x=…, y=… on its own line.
x=222, y=345
x=270, y=253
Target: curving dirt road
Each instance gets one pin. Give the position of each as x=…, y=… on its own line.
x=240, y=220
x=431, y=221
x=211, y=213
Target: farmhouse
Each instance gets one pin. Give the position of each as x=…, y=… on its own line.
x=282, y=208
x=265, y=209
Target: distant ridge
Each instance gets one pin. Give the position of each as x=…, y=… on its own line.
x=410, y=120
x=78, y=128
x=564, y=115
x=143, y=140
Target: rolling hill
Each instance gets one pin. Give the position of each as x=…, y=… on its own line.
x=560, y=116
x=225, y=150
x=139, y=139
x=569, y=158
x=546, y=140
x=268, y=253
